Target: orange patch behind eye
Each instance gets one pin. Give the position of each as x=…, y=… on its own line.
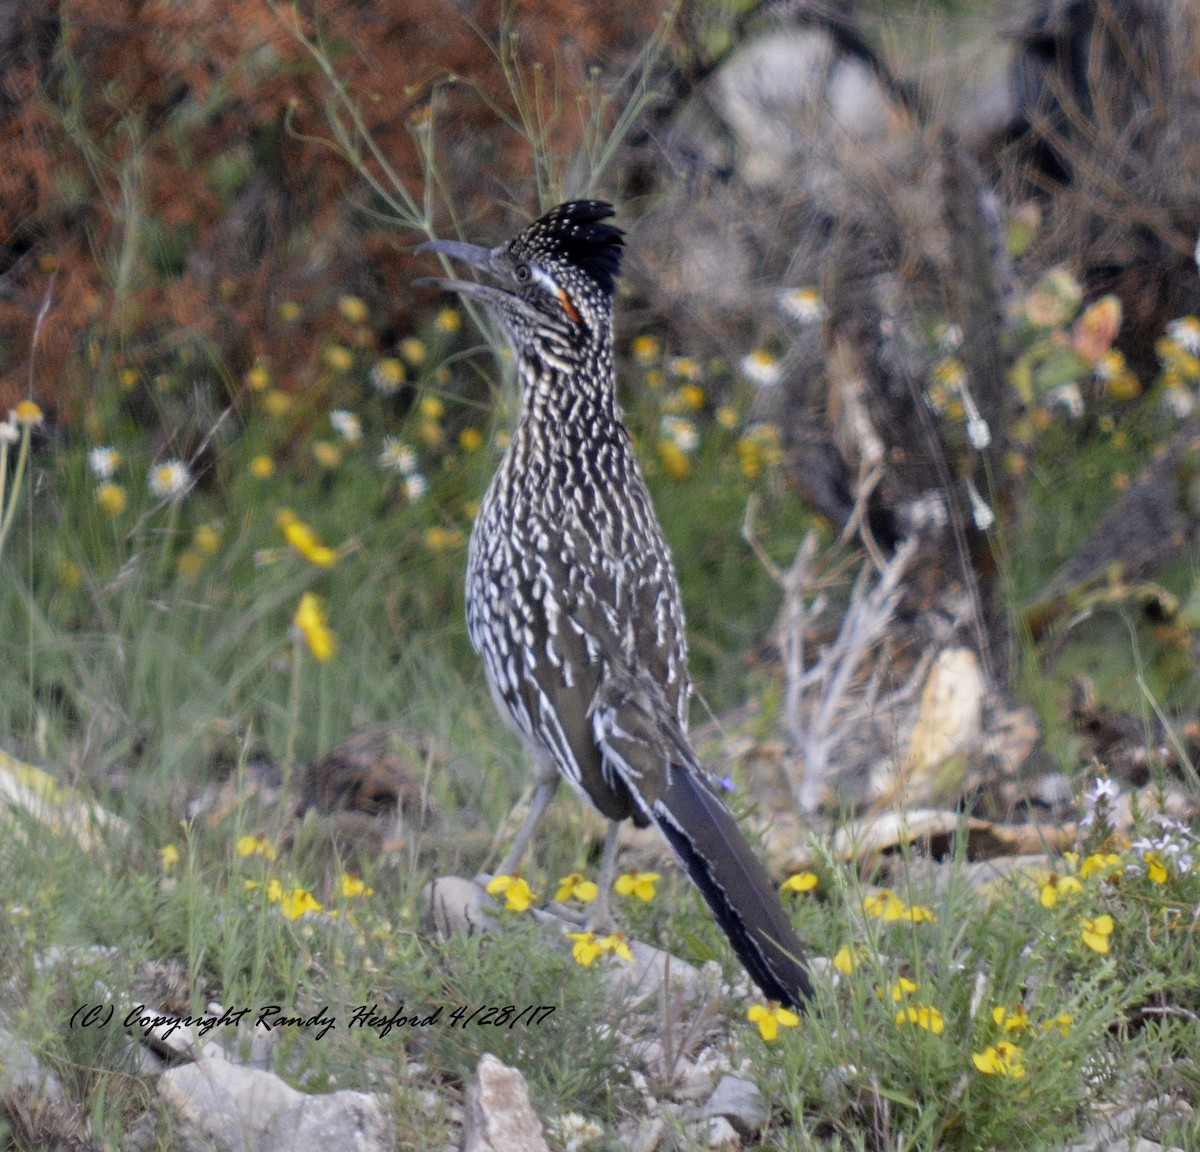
x=569, y=308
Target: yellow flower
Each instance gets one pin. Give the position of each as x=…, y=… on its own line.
x=289, y=311
x=168, y=856
x=1015, y=1021
x=674, y=460
x=69, y=574
x=587, y=947
x=517, y=893
x=576, y=887
x=207, y=539
x=1177, y=358
x=692, y=396
x=646, y=349
x=262, y=467
x=686, y=368
x=902, y=987
x=847, y=958
x=259, y=377
x=886, y=905
x=255, y=846
x=111, y=498
x=1096, y=933
x=413, y=351
x=470, y=439
x=769, y=1017
x=387, y=375
x=1057, y=886
x=190, y=564
x=1155, y=868
x=924, y=1016
x=352, y=309
x=27, y=413
x=1112, y=369
x=1002, y=1059
x=442, y=539
x=617, y=944
x=338, y=357
x=639, y=884
x=276, y=403
x=1062, y=1022
x=311, y=624
x=304, y=540
x=726, y=417
x=355, y=886
x=298, y=902
x=1107, y=862
x=448, y=320
x=274, y=890
x=431, y=408
x=327, y=454
x=800, y=882
x=128, y=378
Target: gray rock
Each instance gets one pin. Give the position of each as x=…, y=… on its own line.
x=455, y=905
x=740, y=1102
x=238, y=1109
x=500, y=1117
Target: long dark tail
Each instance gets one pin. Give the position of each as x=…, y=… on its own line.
x=735, y=885
x=646, y=748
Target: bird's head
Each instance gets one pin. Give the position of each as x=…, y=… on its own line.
x=550, y=287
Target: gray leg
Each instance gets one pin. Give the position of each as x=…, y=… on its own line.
x=542, y=795
x=599, y=914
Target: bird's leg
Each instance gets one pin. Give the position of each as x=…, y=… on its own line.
x=542, y=795
x=599, y=917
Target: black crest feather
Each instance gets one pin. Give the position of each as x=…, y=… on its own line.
x=575, y=233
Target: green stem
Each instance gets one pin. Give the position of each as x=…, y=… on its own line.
x=289, y=751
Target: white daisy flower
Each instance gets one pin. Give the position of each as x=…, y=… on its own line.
x=1178, y=401
x=804, y=305
x=9, y=433
x=1186, y=333
x=761, y=368
x=104, y=462
x=682, y=432
x=1068, y=397
x=414, y=486
x=346, y=424
x=170, y=480
x=398, y=456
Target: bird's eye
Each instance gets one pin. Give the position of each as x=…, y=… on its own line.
x=523, y=273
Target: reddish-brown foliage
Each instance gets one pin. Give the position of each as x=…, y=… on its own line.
x=165, y=183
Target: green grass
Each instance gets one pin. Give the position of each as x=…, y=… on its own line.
x=149, y=655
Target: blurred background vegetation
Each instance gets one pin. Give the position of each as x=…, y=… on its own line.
x=909, y=343
x=894, y=271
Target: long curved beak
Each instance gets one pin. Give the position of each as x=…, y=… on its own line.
x=474, y=255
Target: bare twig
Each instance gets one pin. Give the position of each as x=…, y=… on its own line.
x=814, y=730
x=872, y=604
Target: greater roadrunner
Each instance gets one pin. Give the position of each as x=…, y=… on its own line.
x=571, y=594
